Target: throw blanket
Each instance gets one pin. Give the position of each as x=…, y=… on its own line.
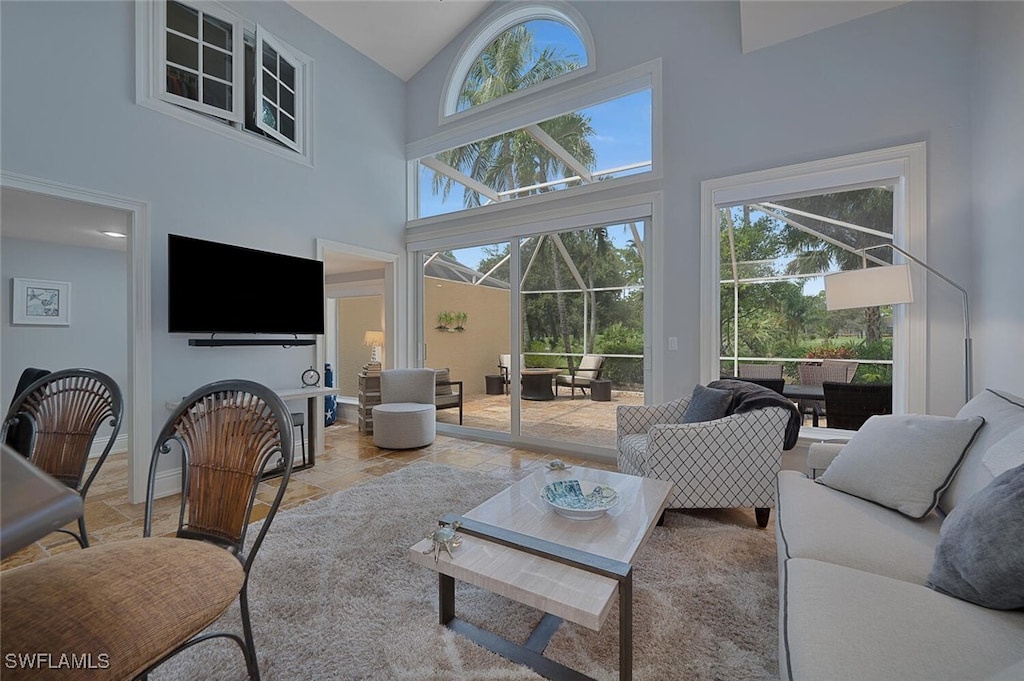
x=747, y=396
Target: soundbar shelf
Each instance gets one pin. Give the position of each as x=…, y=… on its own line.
x=223, y=342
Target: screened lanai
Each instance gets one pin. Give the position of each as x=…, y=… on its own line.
x=774, y=255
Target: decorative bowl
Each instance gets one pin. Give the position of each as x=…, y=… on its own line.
x=579, y=499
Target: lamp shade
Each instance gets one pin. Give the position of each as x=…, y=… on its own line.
x=373, y=338
x=868, y=287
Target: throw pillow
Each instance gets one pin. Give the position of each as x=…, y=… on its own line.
x=707, y=404
x=1005, y=454
x=903, y=462
x=980, y=555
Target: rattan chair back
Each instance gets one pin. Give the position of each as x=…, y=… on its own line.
x=766, y=371
x=227, y=432
x=849, y=405
x=64, y=411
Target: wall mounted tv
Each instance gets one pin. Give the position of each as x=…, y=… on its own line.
x=218, y=288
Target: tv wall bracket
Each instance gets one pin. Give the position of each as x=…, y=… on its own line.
x=212, y=342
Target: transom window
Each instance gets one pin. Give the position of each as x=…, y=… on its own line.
x=203, y=58
x=522, y=47
x=597, y=143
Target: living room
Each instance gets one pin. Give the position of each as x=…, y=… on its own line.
x=942, y=73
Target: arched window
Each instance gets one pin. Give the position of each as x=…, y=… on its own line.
x=521, y=48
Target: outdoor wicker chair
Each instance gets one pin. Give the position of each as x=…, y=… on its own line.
x=141, y=601
x=63, y=412
x=760, y=371
x=849, y=405
x=818, y=374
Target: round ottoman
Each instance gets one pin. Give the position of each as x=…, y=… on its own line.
x=404, y=425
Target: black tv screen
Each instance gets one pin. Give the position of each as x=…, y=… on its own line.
x=219, y=288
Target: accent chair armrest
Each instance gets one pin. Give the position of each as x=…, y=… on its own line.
x=636, y=419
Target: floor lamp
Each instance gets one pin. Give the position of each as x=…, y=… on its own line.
x=890, y=285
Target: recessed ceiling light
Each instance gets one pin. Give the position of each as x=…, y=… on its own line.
x=115, y=235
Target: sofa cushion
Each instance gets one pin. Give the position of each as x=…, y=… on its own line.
x=903, y=461
x=707, y=404
x=980, y=556
x=1006, y=454
x=840, y=623
x=814, y=521
x=1004, y=413
x=1015, y=672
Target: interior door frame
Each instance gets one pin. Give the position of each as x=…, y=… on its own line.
x=140, y=327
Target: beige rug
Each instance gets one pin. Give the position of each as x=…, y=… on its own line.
x=334, y=597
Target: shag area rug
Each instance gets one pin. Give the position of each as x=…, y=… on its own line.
x=333, y=596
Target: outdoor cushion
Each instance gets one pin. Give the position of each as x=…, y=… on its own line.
x=903, y=461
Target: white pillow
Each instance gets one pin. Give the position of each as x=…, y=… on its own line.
x=1006, y=454
x=903, y=462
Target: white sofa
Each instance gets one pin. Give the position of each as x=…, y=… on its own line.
x=852, y=597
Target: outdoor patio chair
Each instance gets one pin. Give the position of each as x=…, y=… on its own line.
x=505, y=368
x=62, y=413
x=849, y=366
x=589, y=369
x=444, y=396
x=849, y=405
x=760, y=371
x=817, y=374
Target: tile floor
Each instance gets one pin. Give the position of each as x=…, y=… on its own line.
x=348, y=459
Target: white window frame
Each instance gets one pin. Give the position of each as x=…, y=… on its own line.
x=516, y=115
x=150, y=81
x=237, y=81
x=284, y=54
x=490, y=28
x=903, y=168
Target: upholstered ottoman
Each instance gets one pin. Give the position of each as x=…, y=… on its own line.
x=404, y=425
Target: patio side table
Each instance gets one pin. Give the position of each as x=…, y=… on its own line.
x=601, y=390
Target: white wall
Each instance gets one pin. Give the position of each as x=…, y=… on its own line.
x=97, y=336
x=69, y=116
x=898, y=76
x=997, y=204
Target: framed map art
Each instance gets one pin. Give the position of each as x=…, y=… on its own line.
x=38, y=301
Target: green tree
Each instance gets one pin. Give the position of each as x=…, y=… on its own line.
x=870, y=208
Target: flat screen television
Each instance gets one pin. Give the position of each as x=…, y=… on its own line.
x=220, y=288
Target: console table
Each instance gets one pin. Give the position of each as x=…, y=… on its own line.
x=314, y=419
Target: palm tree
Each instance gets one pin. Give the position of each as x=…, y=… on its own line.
x=868, y=207
x=516, y=160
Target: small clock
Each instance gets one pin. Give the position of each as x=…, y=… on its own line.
x=310, y=378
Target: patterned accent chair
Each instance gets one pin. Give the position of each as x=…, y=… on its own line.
x=727, y=463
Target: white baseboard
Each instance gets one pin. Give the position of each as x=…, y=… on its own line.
x=167, y=483
x=120, y=445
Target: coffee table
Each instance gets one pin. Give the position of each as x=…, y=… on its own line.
x=516, y=546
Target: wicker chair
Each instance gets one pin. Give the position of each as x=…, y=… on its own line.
x=19, y=434
x=849, y=405
x=769, y=371
x=817, y=374
x=63, y=413
x=589, y=369
x=141, y=601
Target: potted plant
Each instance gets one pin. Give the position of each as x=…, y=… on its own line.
x=444, y=320
x=460, y=321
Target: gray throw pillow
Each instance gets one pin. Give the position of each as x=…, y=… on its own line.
x=980, y=556
x=903, y=462
x=707, y=404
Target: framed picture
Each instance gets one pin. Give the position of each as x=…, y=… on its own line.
x=38, y=301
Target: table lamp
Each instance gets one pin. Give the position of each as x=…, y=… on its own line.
x=374, y=340
x=890, y=285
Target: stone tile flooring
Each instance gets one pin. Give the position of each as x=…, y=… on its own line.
x=348, y=459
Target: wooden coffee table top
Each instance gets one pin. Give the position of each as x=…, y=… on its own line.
x=569, y=593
